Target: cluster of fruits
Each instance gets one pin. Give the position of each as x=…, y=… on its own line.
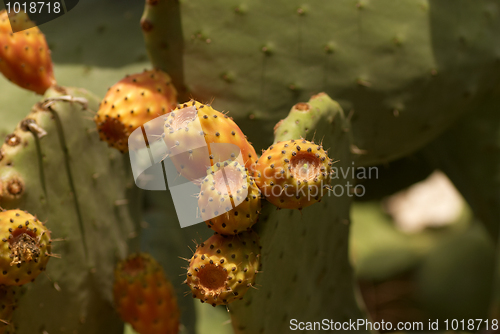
x=232, y=182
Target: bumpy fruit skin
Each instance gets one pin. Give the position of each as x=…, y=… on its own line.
x=229, y=200
x=8, y=303
x=131, y=102
x=25, y=247
x=293, y=174
x=194, y=130
x=25, y=56
x=144, y=297
x=223, y=268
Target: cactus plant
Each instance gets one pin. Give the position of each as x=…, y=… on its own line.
x=256, y=60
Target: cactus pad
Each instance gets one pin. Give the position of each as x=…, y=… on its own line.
x=79, y=187
x=8, y=303
x=404, y=70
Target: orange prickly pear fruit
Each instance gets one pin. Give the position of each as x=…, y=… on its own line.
x=25, y=56
x=144, y=297
x=132, y=102
x=293, y=174
x=223, y=268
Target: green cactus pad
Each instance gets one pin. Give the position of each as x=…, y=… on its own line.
x=307, y=120
x=161, y=26
x=404, y=70
x=79, y=188
x=305, y=271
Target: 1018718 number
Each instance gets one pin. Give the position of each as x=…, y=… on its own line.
x=33, y=7
x=471, y=324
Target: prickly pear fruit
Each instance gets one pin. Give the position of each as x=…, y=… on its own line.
x=223, y=268
x=25, y=56
x=8, y=303
x=293, y=174
x=194, y=130
x=144, y=297
x=229, y=200
x=25, y=247
x=131, y=102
